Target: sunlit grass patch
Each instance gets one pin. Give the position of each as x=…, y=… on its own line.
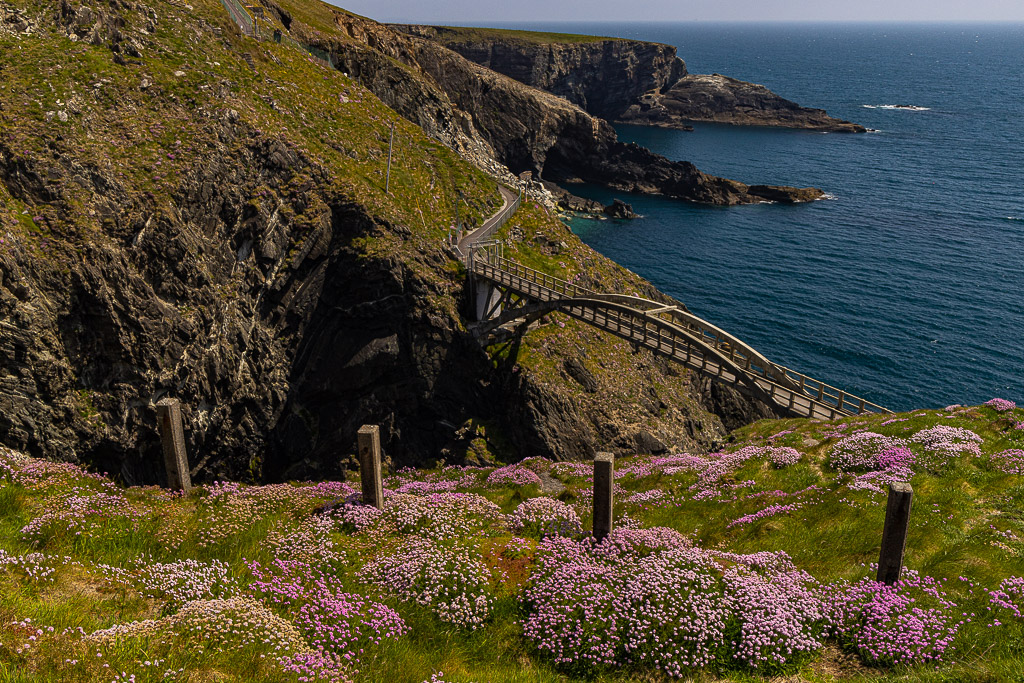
x=451, y=576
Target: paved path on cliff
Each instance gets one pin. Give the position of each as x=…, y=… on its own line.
x=493, y=223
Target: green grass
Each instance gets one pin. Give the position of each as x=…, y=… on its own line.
x=967, y=522
x=468, y=34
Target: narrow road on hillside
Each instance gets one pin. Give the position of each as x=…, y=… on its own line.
x=484, y=231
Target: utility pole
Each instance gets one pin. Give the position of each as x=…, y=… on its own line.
x=391, y=146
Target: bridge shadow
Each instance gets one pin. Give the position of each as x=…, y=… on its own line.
x=508, y=350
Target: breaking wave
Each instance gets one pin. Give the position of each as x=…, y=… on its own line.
x=902, y=107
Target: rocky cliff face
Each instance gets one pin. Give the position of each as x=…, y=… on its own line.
x=603, y=76
x=627, y=80
x=185, y=212
x=527, y=129
x=721, y=99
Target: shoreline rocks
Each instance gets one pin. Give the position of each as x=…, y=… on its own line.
x=720, y=99
x=627, y=81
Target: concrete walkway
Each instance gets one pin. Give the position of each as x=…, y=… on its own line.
x=484, y=231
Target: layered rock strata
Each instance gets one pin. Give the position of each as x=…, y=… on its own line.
x=628, y=81
x=527, y=129
x=720, y=99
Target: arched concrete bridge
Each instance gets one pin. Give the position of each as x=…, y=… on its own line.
x=503, y=291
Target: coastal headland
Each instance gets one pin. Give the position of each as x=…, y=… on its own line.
x=627, y=81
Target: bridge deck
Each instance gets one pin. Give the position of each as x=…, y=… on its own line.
x=676, y=334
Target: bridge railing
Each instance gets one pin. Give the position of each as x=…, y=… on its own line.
x=557, y=285
x=830, y=395
x=778, y=381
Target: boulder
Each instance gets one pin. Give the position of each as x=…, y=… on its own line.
x=619, y=209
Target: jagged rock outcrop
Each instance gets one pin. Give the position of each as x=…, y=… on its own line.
x=527, y=129
x=619, y=209
x=604, y=76
x=567, y=201
x=720, y=99
x=191, y=229
x=627, y=81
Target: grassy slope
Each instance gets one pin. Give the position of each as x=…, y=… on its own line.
x=468, y=34
x=152, y=137
x=967, y=522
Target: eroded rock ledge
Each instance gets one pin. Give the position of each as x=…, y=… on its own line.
x=721, y=99
x=630, y=81
x=473, y=108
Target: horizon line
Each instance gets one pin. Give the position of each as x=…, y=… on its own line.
x=725, y=21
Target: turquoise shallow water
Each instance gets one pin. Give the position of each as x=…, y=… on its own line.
x=906, y=288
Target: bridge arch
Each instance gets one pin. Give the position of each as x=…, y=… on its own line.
x=666, y=330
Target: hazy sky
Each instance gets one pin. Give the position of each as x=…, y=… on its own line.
x=484, y=11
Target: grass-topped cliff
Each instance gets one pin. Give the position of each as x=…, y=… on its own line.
x=628, y=81
x=742, y=565
x=479, y=34
x=185, y=211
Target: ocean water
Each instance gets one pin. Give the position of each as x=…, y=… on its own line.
x=907, y=287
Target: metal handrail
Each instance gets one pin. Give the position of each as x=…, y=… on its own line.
x=780, y=384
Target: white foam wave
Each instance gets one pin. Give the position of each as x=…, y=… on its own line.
x=901, y=107
x=1015, y=218
x=827, y=195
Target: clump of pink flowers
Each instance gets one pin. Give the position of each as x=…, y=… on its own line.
x=782, y=456
x=893, y=465
x=1009, y=596
x=449, y=580
x=345, y=624
x=649, y=596
x=356, y=518
x=1010, y=461
x=513, y=475
x=911, y=622
x=545, y=517
x=1000, y=405
x=943, y=442
x=777, y=614
x=861, y=451
x=440, y=515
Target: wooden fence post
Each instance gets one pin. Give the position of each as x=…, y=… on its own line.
x=604, y=468
x=369, y=466
x=168, y=412
x=894, y=533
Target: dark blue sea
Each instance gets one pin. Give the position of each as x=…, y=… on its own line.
x=907, y=287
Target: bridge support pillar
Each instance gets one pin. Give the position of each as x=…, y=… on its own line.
x=484, y=299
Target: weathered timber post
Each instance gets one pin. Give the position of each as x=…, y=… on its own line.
x=369, y=466
x=894, y=533
x=604, y=469
x=168, y=413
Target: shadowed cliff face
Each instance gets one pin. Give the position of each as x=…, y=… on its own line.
x=627, y=80
x=276, y=373
x=604, y=77
x=527, y=129
x=211, y=225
